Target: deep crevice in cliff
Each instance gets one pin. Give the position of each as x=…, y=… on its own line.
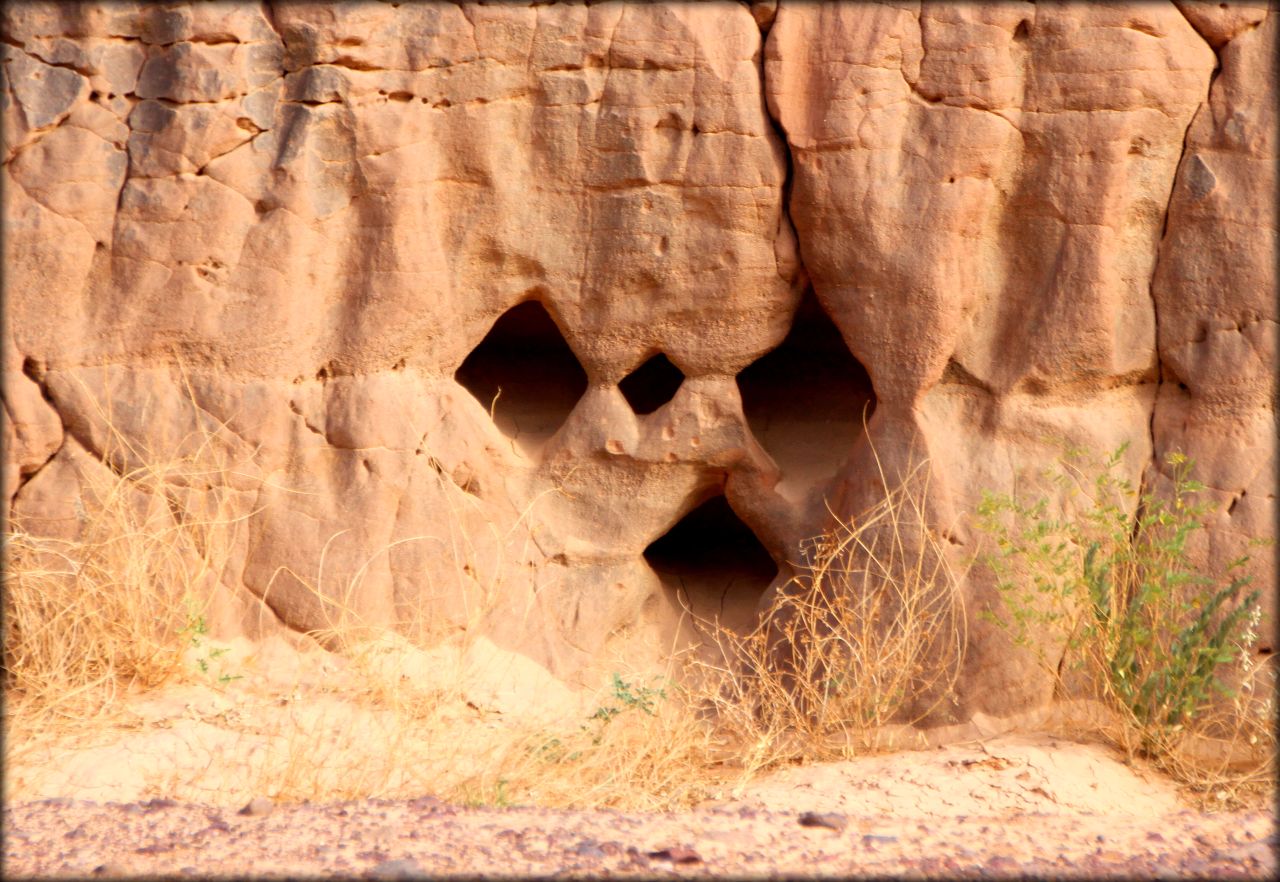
x=1163, y=374
x=784, y=144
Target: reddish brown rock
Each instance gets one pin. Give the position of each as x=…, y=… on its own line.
x=412, y=268
x=1215, y=297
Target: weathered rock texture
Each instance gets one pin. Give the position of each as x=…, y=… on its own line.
x=479, y=302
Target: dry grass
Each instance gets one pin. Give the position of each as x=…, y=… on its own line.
x=111, y=611
x=114, y=597
x=869, y=639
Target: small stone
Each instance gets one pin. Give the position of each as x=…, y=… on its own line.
x=156, y=848
x=257, y=807
x=217, y=823
x=111, y=868
x=588, y=848
x=426, y=803
x=1255, y=852
x=677, y=854
x=401, y=868
x=830, y=820
x=158, y=803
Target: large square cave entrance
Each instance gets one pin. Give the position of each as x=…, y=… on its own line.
x=525, y=375
x=807, y=401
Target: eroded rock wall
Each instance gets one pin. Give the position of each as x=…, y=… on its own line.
x=480, y=302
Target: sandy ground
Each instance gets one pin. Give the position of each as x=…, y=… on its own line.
x=945, y=814
x=160, y=793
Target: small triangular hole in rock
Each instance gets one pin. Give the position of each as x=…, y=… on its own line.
x=525, y=374
x=652, y=384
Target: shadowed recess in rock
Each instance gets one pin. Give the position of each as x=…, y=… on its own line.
x=805, y=400
x=652, y=384
x=524, y=373
x=713, y=564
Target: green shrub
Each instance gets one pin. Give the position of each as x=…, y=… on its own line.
x=1115, y=579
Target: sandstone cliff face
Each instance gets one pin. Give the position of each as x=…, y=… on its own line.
x=480, y=303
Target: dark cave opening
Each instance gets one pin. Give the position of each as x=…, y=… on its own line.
x=652, y=384
x=524, y=373
x=713, y=564
x=805, y=401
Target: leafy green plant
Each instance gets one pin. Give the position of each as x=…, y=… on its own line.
x=628, y=698
x=1114, y=577
x=196, y=632
x=640, y=698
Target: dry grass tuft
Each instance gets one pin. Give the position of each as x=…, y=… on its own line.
x=114, y=597
x=640, y=749
x=870, y=638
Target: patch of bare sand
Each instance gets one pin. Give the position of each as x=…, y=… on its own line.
x=280, y=720
x=295, y=725
x=1008, y=774
x=348, y=750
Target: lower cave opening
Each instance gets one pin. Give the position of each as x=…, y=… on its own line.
x=805, y=400
x=712, y=564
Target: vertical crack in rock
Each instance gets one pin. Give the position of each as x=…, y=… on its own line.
x=1154, y=464
x=1155, y=305
x=784, y=144
x=269, y=15
x=914, y=85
